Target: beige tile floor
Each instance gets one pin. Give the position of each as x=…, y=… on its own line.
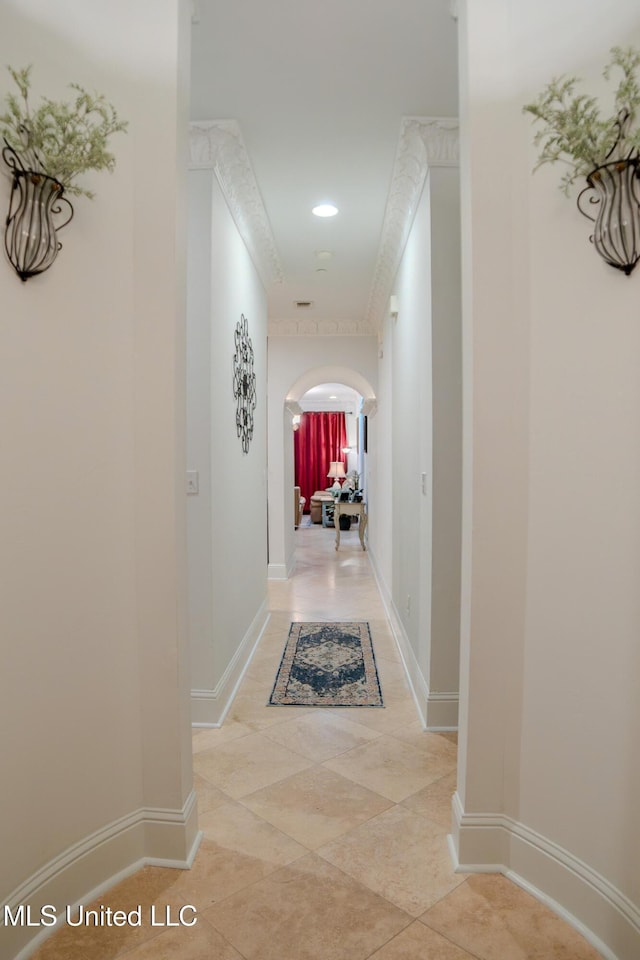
x=325, y=829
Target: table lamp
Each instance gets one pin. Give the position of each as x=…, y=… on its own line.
x=336, y=473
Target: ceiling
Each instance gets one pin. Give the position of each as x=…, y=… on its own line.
x=330, y=396
x=319, y=90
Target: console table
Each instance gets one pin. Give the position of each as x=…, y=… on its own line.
x=351, y=510
x=327, y=512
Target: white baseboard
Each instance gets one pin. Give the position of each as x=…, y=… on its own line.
x=209, y=707
x=442, y=710
x=282, y=571
x=437, y=711
x=488, y=843
x=86, y=870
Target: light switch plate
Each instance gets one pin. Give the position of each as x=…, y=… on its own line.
x=193, y=482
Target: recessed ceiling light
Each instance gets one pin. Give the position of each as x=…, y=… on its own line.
x=325, y=210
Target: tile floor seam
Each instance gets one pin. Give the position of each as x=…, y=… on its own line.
x=128, y=951
x=161, y=933
x=364, y=888
x=377, y=893
x=390, y=940
x=356, y=874
x=433, y=823
x=319, y=763
x=242, y=796
x=253, y=883
x=448, y=938
x=343, y=836
x=224, y=743
x=350, y=782
x=441, y=933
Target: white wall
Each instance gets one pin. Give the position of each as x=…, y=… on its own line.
x=446, y=344
x=289, y=359
x=402, y=433
x=94, y=692
x=199, y=416
x=380, y=467
x=412, y=437
x=416, y=544
x=228, y=518
x=550, y=734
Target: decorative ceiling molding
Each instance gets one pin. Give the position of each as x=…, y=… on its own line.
x=424, y=142
x=321, y=328
x=441, y=138
x=218, y=145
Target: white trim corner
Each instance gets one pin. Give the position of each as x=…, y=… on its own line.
x=209, y=707
x=586, y=900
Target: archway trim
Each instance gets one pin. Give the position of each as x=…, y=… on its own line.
x=330, y=374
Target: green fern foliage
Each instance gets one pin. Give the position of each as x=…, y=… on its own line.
x=571, y=129
x=60, y=139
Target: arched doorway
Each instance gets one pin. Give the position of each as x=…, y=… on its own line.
x=281, y=468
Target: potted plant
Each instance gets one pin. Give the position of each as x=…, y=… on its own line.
x=46, y=150
x=603, y=150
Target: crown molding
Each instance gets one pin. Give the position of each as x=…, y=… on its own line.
x=218, y=145
x=424, y=142
x=440, y=136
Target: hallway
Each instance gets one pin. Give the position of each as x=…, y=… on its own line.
x=325, y=830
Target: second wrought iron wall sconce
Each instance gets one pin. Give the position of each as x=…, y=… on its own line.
x=36, y=200
x=613, y=194
x=604, y=152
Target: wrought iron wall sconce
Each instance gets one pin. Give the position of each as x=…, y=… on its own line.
x=31, y=239
x=244, y=383
x=604, y=150
x=613, y=193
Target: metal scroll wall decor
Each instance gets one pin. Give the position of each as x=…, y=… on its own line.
x=36, y=200
x=613, y=196
x=244, y=383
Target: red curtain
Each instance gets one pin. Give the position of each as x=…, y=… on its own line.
x=317, y=442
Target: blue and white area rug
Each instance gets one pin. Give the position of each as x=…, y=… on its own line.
x=328, y=665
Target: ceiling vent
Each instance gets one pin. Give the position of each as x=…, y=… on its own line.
x=303, y=304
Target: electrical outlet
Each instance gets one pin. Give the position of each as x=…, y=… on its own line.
x=193, y=482
x=408, y=605
x=423, y=478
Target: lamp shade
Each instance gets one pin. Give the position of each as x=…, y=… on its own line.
x=336, y=470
